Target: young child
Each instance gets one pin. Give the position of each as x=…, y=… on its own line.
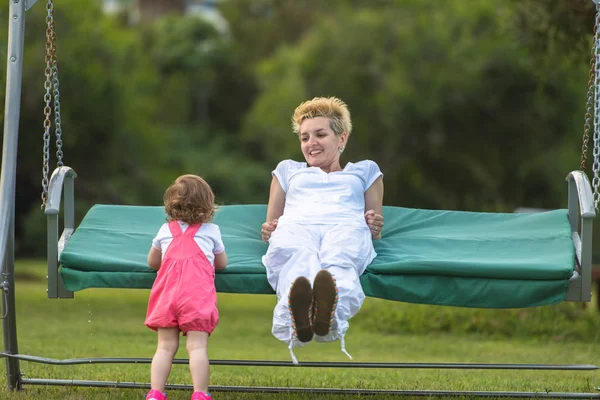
x=186, y=251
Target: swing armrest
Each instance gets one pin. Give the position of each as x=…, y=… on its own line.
x=581, y=215
x=62, y=180
x=579, y=185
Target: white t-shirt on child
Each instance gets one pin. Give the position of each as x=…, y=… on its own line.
x=314, y=196
x=208, y=238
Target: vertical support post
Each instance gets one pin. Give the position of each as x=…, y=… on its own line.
x=573, y=204
x=62, y=180
x=586, y=258
x=69, y=201
x=68, y=227
x=9, y=323
x=581, y=217
x=52, y=255
x=14, y=76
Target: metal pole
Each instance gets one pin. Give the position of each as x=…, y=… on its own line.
x=14, y=73
x=289, y=390
x=313, y=364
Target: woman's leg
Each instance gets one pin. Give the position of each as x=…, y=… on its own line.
x=168, y=343
x=197, y=348
x=293, y=252
x=346, y=250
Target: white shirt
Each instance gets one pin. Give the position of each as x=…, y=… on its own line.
x=314, y=196
x=208, y=238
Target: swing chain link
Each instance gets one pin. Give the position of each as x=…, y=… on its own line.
x=51, y=86
x=55, y=84
x=592, y=113
x=596, y=124
x=589, y=105
x=57, y=118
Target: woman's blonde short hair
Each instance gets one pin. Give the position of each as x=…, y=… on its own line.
x=189, y=199
x=331, y=107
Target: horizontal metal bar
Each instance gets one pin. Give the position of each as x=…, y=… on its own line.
x=266, y=389
x=316, y=364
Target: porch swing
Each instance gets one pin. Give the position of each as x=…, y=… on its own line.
x=437, y=257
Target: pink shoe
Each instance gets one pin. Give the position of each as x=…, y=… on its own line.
x=156, y=395
x=201, y=396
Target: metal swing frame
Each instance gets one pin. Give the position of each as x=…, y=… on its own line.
x=582, y=210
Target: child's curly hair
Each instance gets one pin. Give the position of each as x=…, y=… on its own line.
x=189, y=199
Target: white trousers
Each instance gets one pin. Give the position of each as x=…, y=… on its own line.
x=295, y=250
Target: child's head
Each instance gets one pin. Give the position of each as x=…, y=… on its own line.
x=189, y=199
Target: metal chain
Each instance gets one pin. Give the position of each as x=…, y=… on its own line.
x=590, y=102
x=57, y=118
x=50, y=62
x=596, y=127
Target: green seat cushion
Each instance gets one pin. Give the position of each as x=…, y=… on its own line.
x=467, y=259
x=475, y=245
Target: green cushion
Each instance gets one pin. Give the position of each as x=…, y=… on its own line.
x=487, y=260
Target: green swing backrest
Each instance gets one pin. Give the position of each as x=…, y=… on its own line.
x=468, y=259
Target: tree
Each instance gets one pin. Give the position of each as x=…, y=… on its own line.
x=137, y=110
x=443, y=96
x=106, y=119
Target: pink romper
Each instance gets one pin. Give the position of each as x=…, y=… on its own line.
x=183, y=295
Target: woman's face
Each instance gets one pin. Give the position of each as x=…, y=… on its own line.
x=319, y=144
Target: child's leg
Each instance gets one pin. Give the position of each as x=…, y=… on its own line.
x=197, y=348
x=168, y=343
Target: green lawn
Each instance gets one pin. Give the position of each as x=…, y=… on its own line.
x=109, y=323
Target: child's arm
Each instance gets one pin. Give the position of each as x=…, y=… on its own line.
x=154, y=258
x=220, y=261
x=219, y=250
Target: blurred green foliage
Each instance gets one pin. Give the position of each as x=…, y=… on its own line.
x=472, y=105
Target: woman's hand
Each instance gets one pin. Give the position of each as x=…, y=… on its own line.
x=267, y=229
x=375, y=223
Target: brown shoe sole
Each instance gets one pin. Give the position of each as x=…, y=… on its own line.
x=301, y=298
x=325, y=293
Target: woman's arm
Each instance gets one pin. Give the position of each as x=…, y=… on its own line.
x=276, y=201
x=374, y=207
x=274, y=209
x=154, y=258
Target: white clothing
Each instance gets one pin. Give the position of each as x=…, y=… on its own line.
x=323, y=227
x=345, y=250
x=208, y=238
x=317, y=197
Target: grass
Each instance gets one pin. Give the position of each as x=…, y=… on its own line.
x=109, y=323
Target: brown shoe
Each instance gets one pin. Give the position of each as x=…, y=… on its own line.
x=326, y=298
x=300, y=304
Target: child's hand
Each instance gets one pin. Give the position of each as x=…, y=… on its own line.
x=267, y=230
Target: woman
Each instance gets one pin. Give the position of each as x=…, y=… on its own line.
x=321, y=220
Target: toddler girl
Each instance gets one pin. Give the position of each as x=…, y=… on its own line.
x=186, y=251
